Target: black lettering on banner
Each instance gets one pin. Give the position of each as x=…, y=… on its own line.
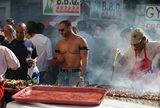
x=74, y=2
x=77, y=3
x=117, y=6
x=110, y=6
x=66, y=2
x=58, y=2
x=103, y=5
x=151, y=15
x=158, y=12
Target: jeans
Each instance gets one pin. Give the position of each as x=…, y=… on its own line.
x=68, y=78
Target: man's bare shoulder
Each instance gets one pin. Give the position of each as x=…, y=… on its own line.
x=60, y=41
x=82, y=40
x=79, y=38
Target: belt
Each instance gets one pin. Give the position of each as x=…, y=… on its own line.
x=70, y=70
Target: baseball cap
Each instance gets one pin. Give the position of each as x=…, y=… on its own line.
x=136, y=36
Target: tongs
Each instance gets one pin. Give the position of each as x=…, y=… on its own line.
x=86, y=83
x=114, y=62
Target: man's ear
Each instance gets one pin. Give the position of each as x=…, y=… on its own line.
x=26, y=31
x=69, y=28
x=144, y=39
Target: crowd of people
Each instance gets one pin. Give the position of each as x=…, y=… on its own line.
x=77, y=57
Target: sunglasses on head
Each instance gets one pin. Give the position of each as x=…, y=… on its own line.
x=61, y=30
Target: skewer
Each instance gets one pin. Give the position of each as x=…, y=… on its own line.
x=114, y=63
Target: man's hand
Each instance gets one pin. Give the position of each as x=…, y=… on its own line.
x=60, y=58
x=123, y=61
x=115, y=52
x=29, y=61
x=80, y=79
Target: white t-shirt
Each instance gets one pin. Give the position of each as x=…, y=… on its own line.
x=7, y=60
x=44, y=51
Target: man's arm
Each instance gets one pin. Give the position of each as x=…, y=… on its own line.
x=83, y=56
x=122, y=63
x=34, y=57
x=54, y=60
x=57, y=57
x=12, y=61
x=122, y=59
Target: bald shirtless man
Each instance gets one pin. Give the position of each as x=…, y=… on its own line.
x=72, y=54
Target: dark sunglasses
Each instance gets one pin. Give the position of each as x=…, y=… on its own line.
x=61, y=30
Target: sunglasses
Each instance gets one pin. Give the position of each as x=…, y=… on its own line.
x=61, y=30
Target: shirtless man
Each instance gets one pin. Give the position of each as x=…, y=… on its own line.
x=72, y=54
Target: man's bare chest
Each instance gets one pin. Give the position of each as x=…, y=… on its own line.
x=69, y=47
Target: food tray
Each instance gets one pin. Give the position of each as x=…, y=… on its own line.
x=61, y=95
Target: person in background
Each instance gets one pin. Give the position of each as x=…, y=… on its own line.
x=23, y=48
x=44, y=51
x=3, y=41
x=8, y=33
x=7, y=60
x=141, y=62
x=10, y=21
x=125, y=36
x=153, y=34
x=81, y=27
x=72, y=54
x=31, y=26
x=1, y=30
x=100, y=56
x=53, y=34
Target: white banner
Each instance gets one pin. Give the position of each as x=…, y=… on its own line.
x=152, y=24
x=61, y=7
x=152, y=12
x=106, y=9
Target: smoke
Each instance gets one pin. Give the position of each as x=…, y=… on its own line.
x=108, y=37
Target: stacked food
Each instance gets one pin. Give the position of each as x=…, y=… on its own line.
x=138, y=94
x=16, y=84
x=135, y=95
